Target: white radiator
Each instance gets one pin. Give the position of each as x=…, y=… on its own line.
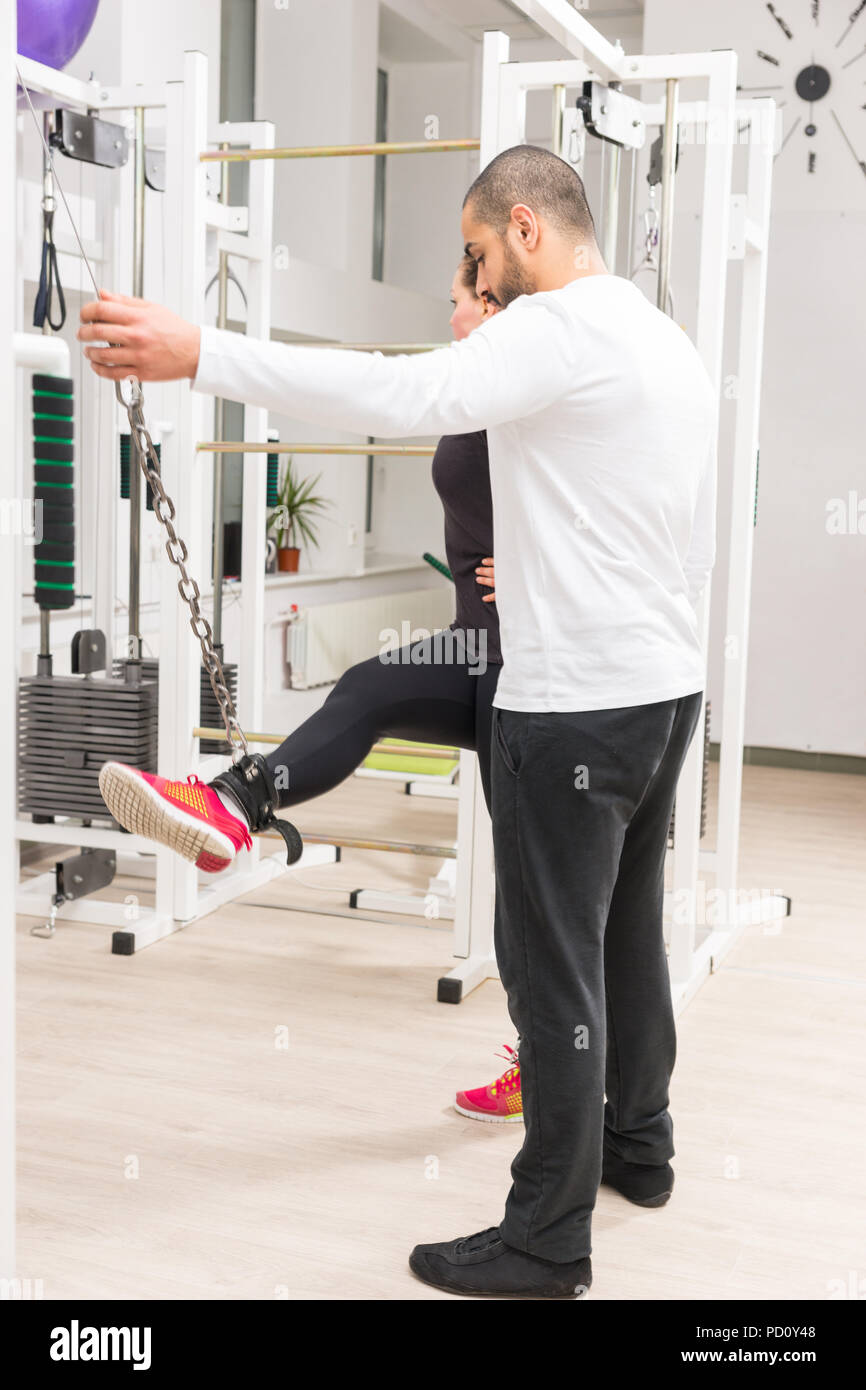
x=328, y=638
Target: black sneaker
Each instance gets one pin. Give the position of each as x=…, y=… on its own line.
x=645, y=1184
x=484, y=1264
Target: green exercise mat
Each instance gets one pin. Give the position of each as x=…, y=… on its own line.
x=435, y=767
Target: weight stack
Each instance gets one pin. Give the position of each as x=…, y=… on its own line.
x=68, y=726
x=273, y=475
x=149, y=668
x=54, y=491
x=704, y=783
x=125, y=456
x=211, y=715
x=209, y=711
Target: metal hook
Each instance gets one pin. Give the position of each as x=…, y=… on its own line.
x=234, y=278
x=136, y=395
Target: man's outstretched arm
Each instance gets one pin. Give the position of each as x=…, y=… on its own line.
x=513, y=366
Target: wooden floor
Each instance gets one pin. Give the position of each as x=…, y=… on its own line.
x=259, y=1106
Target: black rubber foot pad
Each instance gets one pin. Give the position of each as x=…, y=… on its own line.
x=449, y=991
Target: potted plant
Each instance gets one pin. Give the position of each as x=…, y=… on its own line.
x=294, y=517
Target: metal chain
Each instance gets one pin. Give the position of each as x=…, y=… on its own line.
x=178, y=554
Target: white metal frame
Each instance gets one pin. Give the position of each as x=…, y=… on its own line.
x=438, y=903
x=8, y=687
x=503, y=117
x=182, y=895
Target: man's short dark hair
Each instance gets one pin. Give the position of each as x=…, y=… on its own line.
x=468, y=271
x=544, y=182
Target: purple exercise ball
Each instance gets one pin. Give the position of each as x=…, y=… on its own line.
x=52, y=31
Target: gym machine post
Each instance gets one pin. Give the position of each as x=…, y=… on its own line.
x=69, y=724
x=173, y=886
x=732, y=225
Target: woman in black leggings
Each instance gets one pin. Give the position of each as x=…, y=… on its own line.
x=437, y=690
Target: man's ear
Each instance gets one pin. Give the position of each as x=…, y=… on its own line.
x=526, y=225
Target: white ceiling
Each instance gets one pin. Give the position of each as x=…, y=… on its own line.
x=474, y=16
x=402, y=42
x=440, y=30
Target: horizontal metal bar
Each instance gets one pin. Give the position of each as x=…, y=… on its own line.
x=48, y=81
x=659, y=67
x=241, y=132
x=215, y=446
x=226, y=217
x=335, y=151
x=575, y=33
x=389, y=846
x=73, y=833
x=151, y=96
x=247, y=248
x=549, y=72
x=393, y=750
x=397, y=750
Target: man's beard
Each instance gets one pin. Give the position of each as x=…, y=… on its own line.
x=515, y=280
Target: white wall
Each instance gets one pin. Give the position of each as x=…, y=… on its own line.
x=423, y=199
x=316, y=79
x=807, y=660
x=135, y=42
x=424, y=193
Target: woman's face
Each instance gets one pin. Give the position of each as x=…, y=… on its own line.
x=469, y=310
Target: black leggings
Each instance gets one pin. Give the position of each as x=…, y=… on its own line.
x=433, y=694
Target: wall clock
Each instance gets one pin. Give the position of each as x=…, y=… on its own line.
x=810, y=56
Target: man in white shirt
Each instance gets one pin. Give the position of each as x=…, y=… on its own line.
x=600, y=421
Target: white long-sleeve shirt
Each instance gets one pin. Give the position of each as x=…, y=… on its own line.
x=600, y=422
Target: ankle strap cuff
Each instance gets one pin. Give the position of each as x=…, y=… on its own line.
x=252, y=782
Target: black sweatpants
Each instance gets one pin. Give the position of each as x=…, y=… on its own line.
x=581, y=806
x=433, y=691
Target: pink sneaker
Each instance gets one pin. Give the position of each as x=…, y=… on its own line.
x=187, y=816
x=499, y=1103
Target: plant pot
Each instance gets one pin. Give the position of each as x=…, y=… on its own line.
x=287, y=559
